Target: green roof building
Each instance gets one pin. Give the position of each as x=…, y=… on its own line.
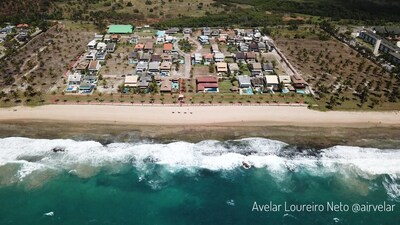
x=120, y=29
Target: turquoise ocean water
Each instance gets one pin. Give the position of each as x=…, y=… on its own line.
x=84, y=182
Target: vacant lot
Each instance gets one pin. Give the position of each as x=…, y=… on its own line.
x=341, y=78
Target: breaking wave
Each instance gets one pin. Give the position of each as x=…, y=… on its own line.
x=21, y=157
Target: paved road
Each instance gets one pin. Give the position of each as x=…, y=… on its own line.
x=188, y=56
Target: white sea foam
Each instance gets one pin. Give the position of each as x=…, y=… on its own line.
x=37, y=154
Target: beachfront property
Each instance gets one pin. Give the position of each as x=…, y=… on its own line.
x=207, y=84
x=380, y=44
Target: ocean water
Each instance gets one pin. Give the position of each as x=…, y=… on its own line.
x=146, y=182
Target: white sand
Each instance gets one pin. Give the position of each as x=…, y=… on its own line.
x=196, y=115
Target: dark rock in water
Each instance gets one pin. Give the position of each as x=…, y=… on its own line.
x=58, y=149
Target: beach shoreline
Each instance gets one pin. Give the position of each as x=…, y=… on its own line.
x=201, y=115
x=302, y=127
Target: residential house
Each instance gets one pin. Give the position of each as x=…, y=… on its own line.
x=233, y=68
x=148, y=47
x=253, y=47
x=268, y=68
x=207, y=84
x=94, y=67
x=144, y=82
x=111, y=47
x=7, y=30
x=155, y=58
x=214, y=48
x=101, y=54
x=251, y=57
x=298, y=82
x=86, y=87
x=166, y=58
x=206, y=31
x=165, y=85
x=168, y=47
x=256, y=69
x=74, y=79
x=115, y=38
x=133, y=58
x=219, y=57
x=222, y=67
x=92, y=45
x=141, y=67
x=272, y=82
x=257, y=83
x=394, y=57
x=101, y=46
x=244, y=81
x=197, y=58
x=154, y=67
x=91, y=55
x=82, y=67
x=243, y=47
x=139, y=47
x=90, y=79
x=187, y=30
x=215, y=33
x=204, y=39
x=208, y=58
x=240, y=57
x=145, y=57
x=285, y=80
x=165, y=68
x=262, y=47
x=174, y=30
x=131, y=81
x=134, y=39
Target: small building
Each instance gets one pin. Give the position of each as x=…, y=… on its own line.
x=240, y=57
x=165, y=68
x=101, y=46
x=187, y=30
x=214, y=48
x=197, y=58
x=243, y=47
x=165, y=85
x=204, y=40
x=120, y=29
x=233, y=68
x=206, y=31
x=256, y=69
x=144, y=82
x=92, y=45
x=253, y=47
x=285, y=80
x=155, y=58
x=141, y=67
x=173, y=30
x=244, y=81
x=145, y=57
x=262, y=47
x=74, y=79
x=219, y=57
x=257, y=82
x=168, y=47
x=94, y=67
x=148, y=47
x=111, y=47
x=139, y=47
x=221, y=67
x=251, y=57
x=208, y=58
x=131, y=81
x=154, y=67
x=101, y=54
x=207, y=84
x=268, y=68
x=298, y=82
x=82, y=67
x=166, y=57
x=272, y=81
x=133, y=58
x=91, y=55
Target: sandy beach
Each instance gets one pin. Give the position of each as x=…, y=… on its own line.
x=200, y=115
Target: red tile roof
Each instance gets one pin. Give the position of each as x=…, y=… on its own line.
x=168, y=47
x=207, y=79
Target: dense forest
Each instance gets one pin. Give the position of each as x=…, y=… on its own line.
x=253, y=12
